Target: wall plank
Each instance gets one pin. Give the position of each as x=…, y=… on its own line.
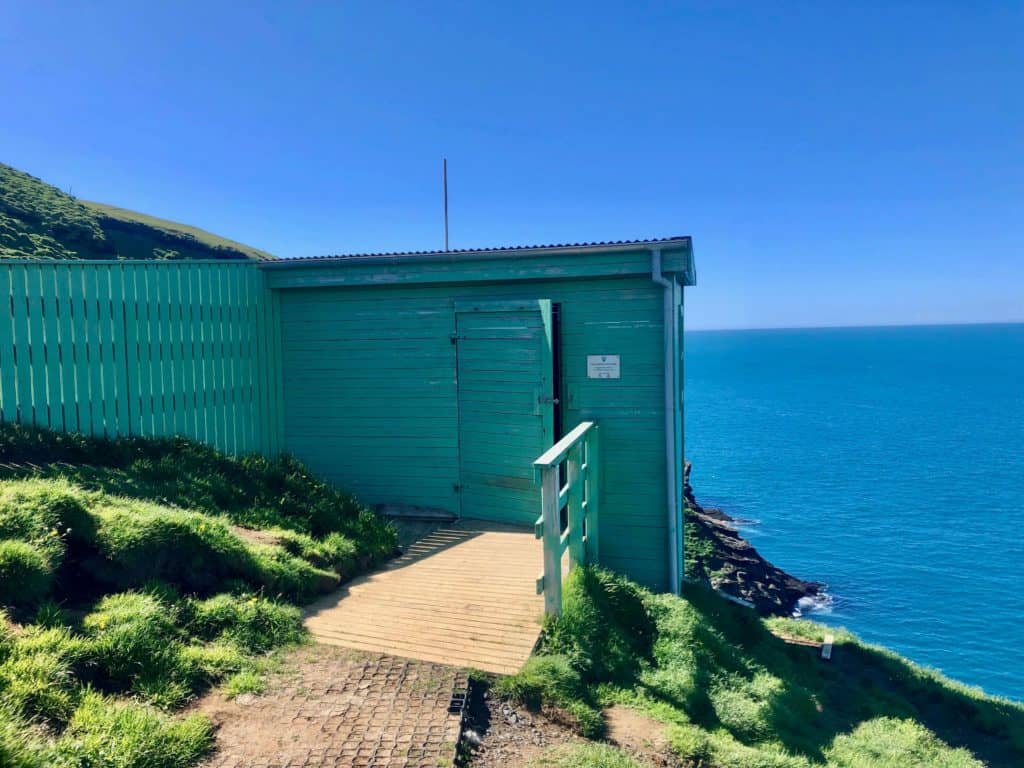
x=8, y=376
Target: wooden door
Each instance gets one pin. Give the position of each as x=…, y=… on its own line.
x=505, y=406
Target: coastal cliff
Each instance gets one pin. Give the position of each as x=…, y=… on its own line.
x=716, y=554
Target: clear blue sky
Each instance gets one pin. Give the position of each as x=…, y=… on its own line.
x=850, y=163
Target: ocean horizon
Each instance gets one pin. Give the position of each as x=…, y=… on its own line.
x=853, y=326
x=884, y=461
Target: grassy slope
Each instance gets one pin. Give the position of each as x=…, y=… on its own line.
x=136, y=573
x=126, y=228
x=732, y=693
x=39, y=221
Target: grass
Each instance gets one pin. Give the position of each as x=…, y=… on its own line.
x=254, y=623
x=246, y=681
x=551, y=680
x=37, y=520
x=125, y=228
x=126, y=734
x=138, y=542
x=39, y=221
x=26, y=576
x=37, y=674
x=585, y=756
x=252, y=491
x=732, y=694
x=134, y=644
x=21, y=745
x=136, y=574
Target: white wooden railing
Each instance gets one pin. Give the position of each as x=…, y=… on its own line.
x=579, y=497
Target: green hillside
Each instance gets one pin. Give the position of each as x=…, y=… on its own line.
x=733, y=690
x=39, y=221
x=136, y=574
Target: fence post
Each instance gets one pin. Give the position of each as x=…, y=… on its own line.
x=574, y=504
x=593, y=495
x=552, y=542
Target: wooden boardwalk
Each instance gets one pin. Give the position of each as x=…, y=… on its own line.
x=464, y=595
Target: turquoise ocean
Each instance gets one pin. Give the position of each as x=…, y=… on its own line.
x=887, y=463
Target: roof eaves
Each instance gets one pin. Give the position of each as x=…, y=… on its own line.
x=462, y=253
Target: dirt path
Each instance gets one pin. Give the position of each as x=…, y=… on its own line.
x=330, y=706
x=639, y=735
x=502, y=734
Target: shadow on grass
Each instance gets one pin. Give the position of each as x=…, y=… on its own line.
x=251, y=491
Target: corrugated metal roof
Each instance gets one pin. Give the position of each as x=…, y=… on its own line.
x=596, y=246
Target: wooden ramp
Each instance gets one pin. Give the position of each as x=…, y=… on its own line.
x=464, y=595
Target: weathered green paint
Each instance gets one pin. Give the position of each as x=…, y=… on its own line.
x=576, y=455
x=503, y=362
x=469, y=267
x=142, y=348
x=371, y=380
x=677, y=363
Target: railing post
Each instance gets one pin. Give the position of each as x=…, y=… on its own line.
x=552, y=542
x=593, y=483
x=579, y=450
x=574, y=504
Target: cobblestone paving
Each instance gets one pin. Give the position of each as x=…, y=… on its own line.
x=336, y=707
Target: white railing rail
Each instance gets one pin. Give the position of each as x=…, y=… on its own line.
x=579, y=497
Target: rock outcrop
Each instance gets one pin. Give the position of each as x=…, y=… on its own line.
x=717, y=555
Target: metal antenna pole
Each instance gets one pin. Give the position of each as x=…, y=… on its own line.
x=445, y=167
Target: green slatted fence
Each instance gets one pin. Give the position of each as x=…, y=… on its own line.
x=111, y=348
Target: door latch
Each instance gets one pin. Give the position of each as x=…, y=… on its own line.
x=548, y=399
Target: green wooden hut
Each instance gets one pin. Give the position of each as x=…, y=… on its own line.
x=436, y=379
x=499, y=384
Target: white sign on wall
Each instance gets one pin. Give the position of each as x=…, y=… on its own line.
x=603, y=367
